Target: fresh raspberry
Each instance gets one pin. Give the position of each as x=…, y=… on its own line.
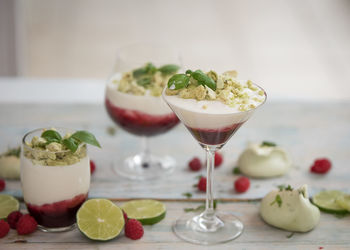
x=13, y=218
x=218, y=159
x=242, y=184
x=2, y=184
x=202, y=184
x=26, y=224
x=321, y=166
x=133, y=229
x=92, y=166
x=195, y=164
x=4, y=228
x=125, y=216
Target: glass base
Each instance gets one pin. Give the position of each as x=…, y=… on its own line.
x=223, y=227
x=56, y=229
x=144, y=167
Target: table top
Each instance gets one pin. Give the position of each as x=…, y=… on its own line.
x=307, y=130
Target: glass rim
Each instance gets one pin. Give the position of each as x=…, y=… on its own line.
x=40, y=150
x=237, y=112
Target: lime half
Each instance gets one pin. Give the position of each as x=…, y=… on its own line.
x=100, y=219
x=148, y=212
x=8, y=204
x=326, y=201
x=344, y=202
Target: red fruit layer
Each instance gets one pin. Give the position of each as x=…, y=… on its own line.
x=58, y=214
x=214, y=136
x=140, y=123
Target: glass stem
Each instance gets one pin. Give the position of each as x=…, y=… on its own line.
x=209, y=204
x=145, y=152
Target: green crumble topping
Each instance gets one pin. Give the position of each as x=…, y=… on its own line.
x=212, y=86
x=147, y=79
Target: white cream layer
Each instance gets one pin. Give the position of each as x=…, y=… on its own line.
x=49, y=184
x=216, y=114
x=146, y=103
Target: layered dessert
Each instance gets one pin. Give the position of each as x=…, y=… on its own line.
x=212, y=106
x=55, y=176
x=264, y=160
x=10, y=163
x=133, y=100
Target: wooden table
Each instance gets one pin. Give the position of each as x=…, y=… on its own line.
x=306, y=130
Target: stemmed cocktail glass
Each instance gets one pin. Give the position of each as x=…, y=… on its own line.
x=212, y=127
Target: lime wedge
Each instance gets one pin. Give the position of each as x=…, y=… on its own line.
x=326, y=201
x=148, y=212
x=100, y=219
x=8, y=204
x=344, y=201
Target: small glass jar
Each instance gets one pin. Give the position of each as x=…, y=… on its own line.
x=55, y=183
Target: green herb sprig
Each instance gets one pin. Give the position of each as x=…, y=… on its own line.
x=144, y=74
x=268, y=144
x=12, y=152
x=236, y=171
x=180, y=81
x=73, y=141
x=284, y=187
x=277, y=200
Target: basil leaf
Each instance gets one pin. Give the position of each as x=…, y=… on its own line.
x=169, y=69
x=178, y=81
x=51, y=136
x=139, y=72
x=144, y=81
x=87, y=137
x=189, y=72
x=71, y=144
x=203, y=79
x=150, y=68
x=268, y=144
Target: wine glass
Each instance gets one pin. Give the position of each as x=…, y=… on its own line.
x=212, y=128
x=145, y=115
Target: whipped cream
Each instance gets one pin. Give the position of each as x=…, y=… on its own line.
x=293, y=212
x=264, y=161
x=210, y=114
x=152, y=105
x=49, y=184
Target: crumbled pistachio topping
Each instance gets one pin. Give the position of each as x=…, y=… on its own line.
x=146, y=80
x=227, y=89
x=45, y=153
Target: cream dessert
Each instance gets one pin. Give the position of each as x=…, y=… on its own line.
x=212, y=106
x=264, y=160
x=133, y=100
x=55, y=175
x=10, y=164
x=290, y=209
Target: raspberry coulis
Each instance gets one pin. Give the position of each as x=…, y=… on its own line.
x=140, y=123
x=214, y=136
x=57, y=214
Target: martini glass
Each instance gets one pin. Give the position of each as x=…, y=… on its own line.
x=144, y=116
x=212, y=128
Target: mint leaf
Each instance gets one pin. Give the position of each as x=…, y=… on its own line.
x=71, y=144
x=51, y=136
x=284, y=187
x=277, y=200
x=268, y=144
x=139, y=72
x=148, y=69
x=144, y=81
x=178, y=81
x=236, y=171
x=187, y=195
x=169, y=69
x=85, y=136
x=203, y=79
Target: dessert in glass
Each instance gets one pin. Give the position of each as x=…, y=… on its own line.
x=55, y=176
x=133, y=101
x=213, y=107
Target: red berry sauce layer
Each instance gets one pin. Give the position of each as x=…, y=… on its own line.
x=214, y=136
x=58, y=214
x=140, y=123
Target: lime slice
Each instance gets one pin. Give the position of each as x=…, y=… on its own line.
x=100, y=219
x=326, y=201
x=8, y=204
x=148, y=212
x=344, y=201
